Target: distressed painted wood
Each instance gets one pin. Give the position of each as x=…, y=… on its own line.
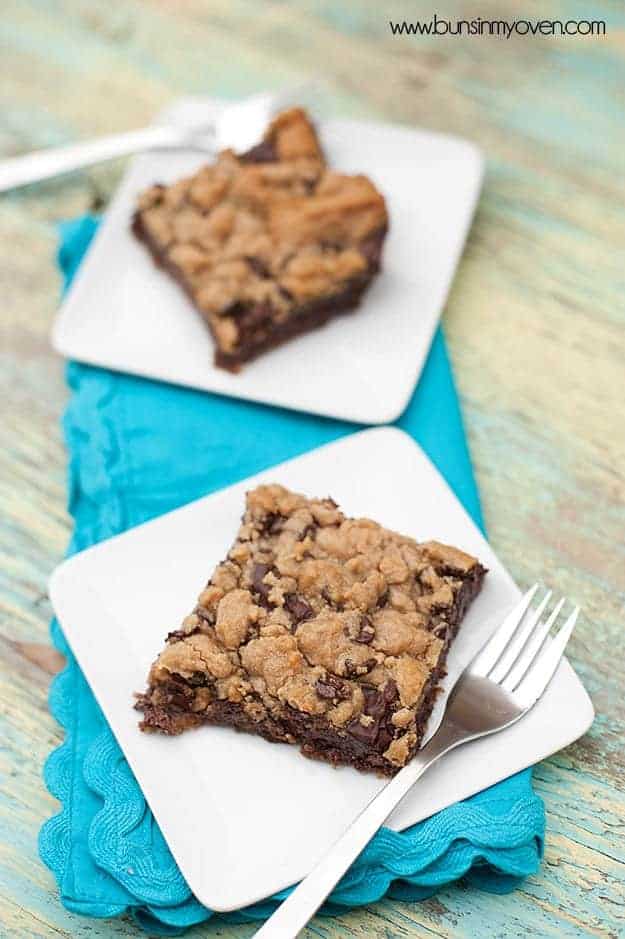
x=535, y=324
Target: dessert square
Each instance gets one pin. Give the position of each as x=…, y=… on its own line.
x=267, y=244
x=319, y=630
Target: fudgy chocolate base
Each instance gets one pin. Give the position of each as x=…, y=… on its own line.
x=303, y=320
x=315, y=735
x=267, y=334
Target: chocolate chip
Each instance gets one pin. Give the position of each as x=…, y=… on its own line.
x=298, y=608
x=375, y=702
x=390, y=691
x=324, y=690
x=372, y=735
x=366, y=631
x=258, y=266
x=352, y=669
x=273, y=524
x=258, y=584
x=309, y=530
x=327, y=596
x=366, y=733
x=198, y=679
x=332, y=687
x=383, y=739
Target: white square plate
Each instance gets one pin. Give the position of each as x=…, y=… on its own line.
x=123, y=313
x=234, y=842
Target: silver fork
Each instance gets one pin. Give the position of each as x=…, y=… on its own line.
x=501, y=684
x=240, y=126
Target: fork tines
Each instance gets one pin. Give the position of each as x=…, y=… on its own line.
x=521, y=656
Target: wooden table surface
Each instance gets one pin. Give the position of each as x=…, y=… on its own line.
x=535, y=324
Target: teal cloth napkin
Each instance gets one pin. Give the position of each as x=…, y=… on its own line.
x=137, y=449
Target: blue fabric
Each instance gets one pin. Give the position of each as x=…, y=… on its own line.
x=139, y=448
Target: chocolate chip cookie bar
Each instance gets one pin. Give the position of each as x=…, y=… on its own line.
x=268, y=244
x=320, y=630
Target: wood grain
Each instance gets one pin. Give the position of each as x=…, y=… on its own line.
x=535, y=324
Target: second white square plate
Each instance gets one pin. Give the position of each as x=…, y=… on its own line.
x=123, y=313
x=243, y=817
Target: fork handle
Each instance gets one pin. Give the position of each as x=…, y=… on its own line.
x=301, y=905
x=43, y=164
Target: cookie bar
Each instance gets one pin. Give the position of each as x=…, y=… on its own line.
x=319, y=630
x=267, y=244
